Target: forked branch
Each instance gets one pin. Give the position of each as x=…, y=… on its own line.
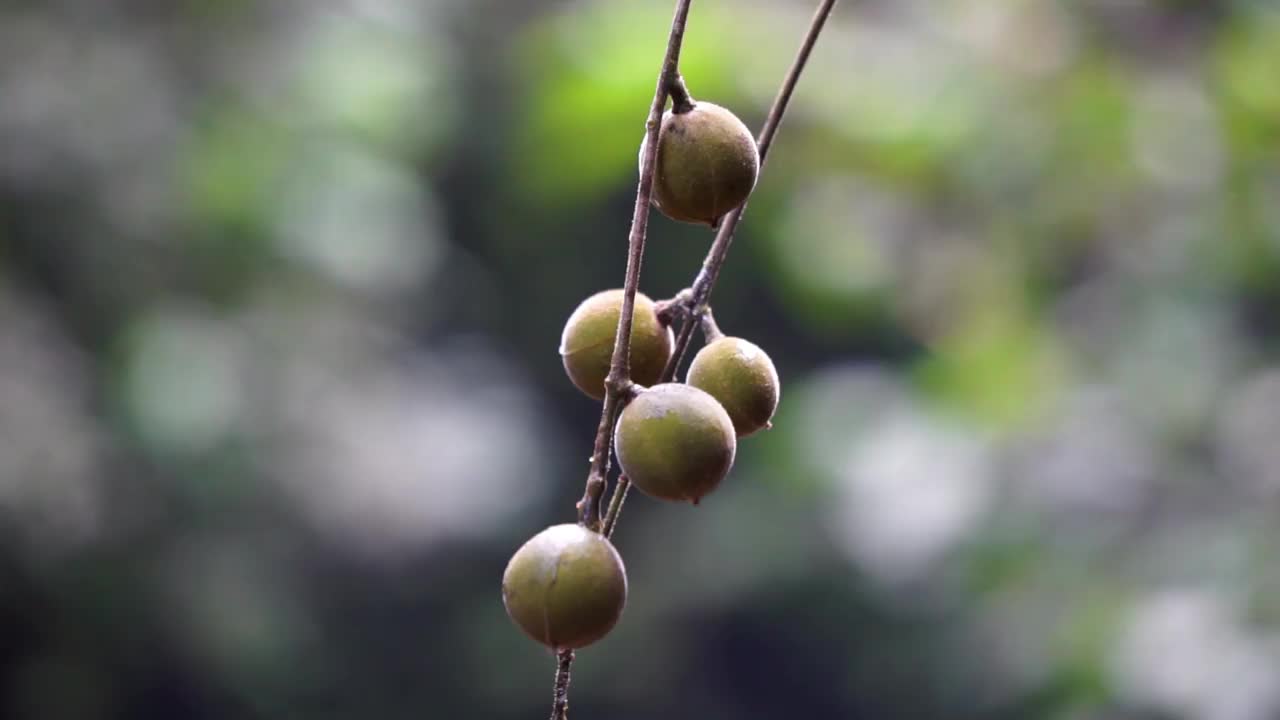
x=618, y=382
x=691, y=303
x=711, y=266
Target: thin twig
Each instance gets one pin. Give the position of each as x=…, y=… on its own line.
x=618, y=382
x=710, y=272
x=560, y=700
x=681, y=347
x=615, y=505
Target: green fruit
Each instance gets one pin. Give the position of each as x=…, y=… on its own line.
x=586, y=345
x=675, y=442
x=566, y=587
x=742, y=378
x=707, y=164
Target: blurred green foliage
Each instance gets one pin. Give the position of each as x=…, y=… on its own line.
x=281, y=286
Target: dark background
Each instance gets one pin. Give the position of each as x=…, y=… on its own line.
x=281, y=287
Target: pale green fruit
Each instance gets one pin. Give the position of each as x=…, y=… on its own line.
x=586, y=344
x=742, y=378
x=675, y=442
x=707, y=164
x=566, y=587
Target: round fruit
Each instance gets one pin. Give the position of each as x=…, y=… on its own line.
x=586, y=345
x=565, y=587
x=742, y=378
x=707, y=164
x=675, y=442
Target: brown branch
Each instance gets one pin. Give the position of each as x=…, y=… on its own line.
x=710, y=272
x=618, y=385
x=690, y=305
x=681, y=347
x=618, y=382
x=560, y=700
x=673, y=309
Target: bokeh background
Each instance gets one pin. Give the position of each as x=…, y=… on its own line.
x=281, y=287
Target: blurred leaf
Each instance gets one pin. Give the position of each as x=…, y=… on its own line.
x=996, y=363
x=1245, y=63
x=233, y=166
x=388, y=87
x=1089, y=158
x=832, y=252
x=588, y=80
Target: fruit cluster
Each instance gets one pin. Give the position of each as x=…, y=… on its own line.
x=566, y=587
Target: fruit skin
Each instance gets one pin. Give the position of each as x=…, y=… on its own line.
x=739, y=375
x=586, y=344
x=566, y=587
x=675, y=442
x=707, y=164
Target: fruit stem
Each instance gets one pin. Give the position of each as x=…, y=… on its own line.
x=618, y=381
x=710, y=330
x=710, y=272
x=681, y=101
x=560, y=701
